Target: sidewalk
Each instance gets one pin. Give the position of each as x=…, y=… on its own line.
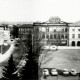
x=68, y=47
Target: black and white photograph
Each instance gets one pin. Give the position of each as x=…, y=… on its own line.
x=39, y=39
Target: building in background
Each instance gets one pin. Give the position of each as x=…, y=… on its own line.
x=24, y=29
x=74, y=34
x=52, y=32
x=1, y=34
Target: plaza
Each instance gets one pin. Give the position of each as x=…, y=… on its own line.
x=62, y=59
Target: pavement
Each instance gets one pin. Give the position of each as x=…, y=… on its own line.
x=68, y=47
x=61, y=78
x=4, y=57
x=7, y=54
x=61, y=59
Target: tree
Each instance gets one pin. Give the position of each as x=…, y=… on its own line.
x=30, y=70
x=8, y=70
x=14, y=31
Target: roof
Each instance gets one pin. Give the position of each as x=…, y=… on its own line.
x=26, y=25
x=49, y=24
x=76, y=24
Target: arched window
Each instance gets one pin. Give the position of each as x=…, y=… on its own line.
x=47, y=36
x=78, y=43
x=54, y=36
x=43, y=36
x=58, y=36
x=62, y=30
x=73, y=43
x=51, y=36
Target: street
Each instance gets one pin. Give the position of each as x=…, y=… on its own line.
x=62, y=78
x=4, y=58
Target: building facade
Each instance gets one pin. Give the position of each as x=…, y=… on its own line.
x=23, y=30
x=52, y=32
x=74, y=34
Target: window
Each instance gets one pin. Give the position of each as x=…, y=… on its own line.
x=54, y=36
x=73, y=29
x=78, y=35
x=58, y=36
x=47, y=29
x=54, y=30
x=47, y=36
x=37, y=29
x=79, y=30
x=62, y=30
x=66, y=36
x=36, y=36
x=73, y=35
x=62, y=36
x=43, y=36
x=51, y=36
x=66, y=30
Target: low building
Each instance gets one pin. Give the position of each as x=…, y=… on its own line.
x=24, y=29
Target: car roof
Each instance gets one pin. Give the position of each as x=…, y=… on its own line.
x=73, y=69
x=65, y=69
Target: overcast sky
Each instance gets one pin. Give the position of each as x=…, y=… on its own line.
x=39, y=10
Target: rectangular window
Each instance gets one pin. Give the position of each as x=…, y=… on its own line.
x=66, y=29
x=62, y=30
x=73, y=29
x=79, y=30
x=66, y=36
x=73, y=35
x=54, y=30
x=78, y=35
x=47, y=29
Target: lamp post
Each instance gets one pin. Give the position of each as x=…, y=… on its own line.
x=1, y=43
x=1, y=49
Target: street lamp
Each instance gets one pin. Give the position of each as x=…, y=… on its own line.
x=1, y=43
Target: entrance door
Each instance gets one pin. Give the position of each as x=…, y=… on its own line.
x=73, y=43
x=78, y=43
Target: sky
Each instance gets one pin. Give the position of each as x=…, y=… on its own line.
x=39, y=10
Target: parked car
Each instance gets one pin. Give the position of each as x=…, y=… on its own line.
x=17, y=39
x=45, y=72
x=45, y=47
x=53, y=47
x=5, y=43
x=73, y=72
x=65, y=72
x=54, y=72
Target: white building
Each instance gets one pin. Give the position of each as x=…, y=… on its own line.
x=6, y=34
x=1, y=34
x=74, y=35
x=52, y=32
